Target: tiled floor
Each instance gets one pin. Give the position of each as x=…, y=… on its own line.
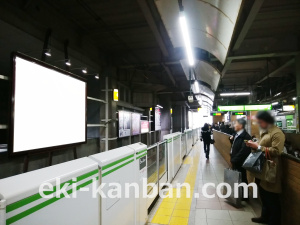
x=197, y=171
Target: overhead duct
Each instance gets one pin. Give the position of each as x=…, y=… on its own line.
x=203, y=72
x=211, y=23
x=210, y=26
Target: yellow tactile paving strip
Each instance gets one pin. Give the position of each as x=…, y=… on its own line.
x=176, y=211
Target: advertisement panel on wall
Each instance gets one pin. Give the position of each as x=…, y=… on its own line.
x=136, y=122
x=144, y=126
x=124, y=124
x=157, y=117
x=48, y=107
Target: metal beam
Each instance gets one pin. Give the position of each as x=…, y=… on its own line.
x=288, y=63
x=167, y=69
x=252, y=14
x=150, y=20
x=260, y=55
x=251, y=17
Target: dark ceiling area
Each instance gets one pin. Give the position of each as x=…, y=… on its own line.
x=261, y=57
x=130, y=35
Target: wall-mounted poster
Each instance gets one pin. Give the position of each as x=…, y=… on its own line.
x=136, y=122
x=144, y=126
x=124, y=124
x=157, y=115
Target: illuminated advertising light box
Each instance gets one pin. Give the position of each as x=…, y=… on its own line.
x=238, y=113
x=136, y=122
x=231, y=108
x=288, y=108
x=124, y=124
x=48, y=107
x=257, y=107
x=144, y=126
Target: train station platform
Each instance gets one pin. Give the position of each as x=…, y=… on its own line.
x=199, y=210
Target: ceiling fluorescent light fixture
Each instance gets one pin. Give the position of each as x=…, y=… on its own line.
x=186, y=38
x=294, y=98
x=235, y=94
x=48, y=52
x=159, y=106
x=68, y=62
x=196, y=85
x=277, y=94
x=275, y=103
x=84, y=70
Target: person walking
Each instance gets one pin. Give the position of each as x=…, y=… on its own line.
x=239, y=151
x=271, y=139
x=206, y=137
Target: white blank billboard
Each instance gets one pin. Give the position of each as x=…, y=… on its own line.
x=49, y=107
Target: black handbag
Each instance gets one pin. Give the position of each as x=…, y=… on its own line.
x=212, y=141
x=255, y=162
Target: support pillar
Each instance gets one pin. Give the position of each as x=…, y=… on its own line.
x=297, y=72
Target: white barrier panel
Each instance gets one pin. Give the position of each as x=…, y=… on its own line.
x=121, y=167
x=174, y=154
x=189, y=140
x=24, y=205
x=183, y=145
x=141, y=207
x=116, y=167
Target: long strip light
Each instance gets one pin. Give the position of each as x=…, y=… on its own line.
x=186, y=38
x=196, y=86
x=235, y=94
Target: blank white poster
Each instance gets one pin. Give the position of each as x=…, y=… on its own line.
x=50, y=107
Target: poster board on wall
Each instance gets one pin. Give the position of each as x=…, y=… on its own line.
x=124, y=124
x=48, y=108
x=136, y=123
x=144, y=126
x=157, y=118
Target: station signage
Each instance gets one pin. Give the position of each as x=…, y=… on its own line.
x=216, y=114
x=242, y=108
x=288, y=108
x=238, y=113
x=231, y=108
x=257, y=107
x=116, y=95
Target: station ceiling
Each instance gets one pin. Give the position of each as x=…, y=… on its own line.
x=132, y=35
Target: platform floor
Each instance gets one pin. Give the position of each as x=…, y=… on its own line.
x=196, y=171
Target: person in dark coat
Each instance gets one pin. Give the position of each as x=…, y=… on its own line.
x=216, y=127
x=206, y=137
x=239, y=150
x=222, y=127
x=228, y=130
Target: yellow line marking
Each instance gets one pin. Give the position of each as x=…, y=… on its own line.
x=176, y=211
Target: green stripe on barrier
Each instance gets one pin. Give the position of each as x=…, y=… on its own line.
x=35, y=197
x=141, y=152
x=116, y=168
x=27, y=212
x=141, y=156
x=116, y=162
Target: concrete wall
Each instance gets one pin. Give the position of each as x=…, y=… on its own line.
x=135, y=90
x=11, y=166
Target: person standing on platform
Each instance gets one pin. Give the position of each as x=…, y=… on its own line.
x=271, y=139
x=239, y=151
x=222, y=127
x=216, y=127
x=206, y=137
